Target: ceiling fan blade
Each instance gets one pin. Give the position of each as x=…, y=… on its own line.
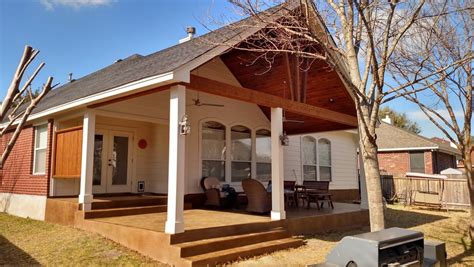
x=211, y=105
x=293, y=121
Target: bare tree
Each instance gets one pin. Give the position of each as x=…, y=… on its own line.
x=20, y=101
x=446, y=97
x=358, y=39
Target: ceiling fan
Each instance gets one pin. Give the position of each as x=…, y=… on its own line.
x=198, y=103
x=285, y=120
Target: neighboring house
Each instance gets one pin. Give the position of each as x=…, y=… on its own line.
x=401, y=151
x=142, y=125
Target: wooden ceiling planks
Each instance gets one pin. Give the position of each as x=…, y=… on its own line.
x=323, y=89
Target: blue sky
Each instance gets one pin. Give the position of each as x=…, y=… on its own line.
x=82, y=36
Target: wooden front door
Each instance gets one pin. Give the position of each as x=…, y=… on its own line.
x=112, y=161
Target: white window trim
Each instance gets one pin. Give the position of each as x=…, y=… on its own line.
x=201, y=159
x=254, y=148
x=330, y=155
x=252, y=158
x=228, y=156
x=35, y=149
x=318, y=165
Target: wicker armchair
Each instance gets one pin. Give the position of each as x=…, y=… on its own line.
x=259, y=200
x=214, y=196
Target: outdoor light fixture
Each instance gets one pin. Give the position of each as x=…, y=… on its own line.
x=284, y=140
x=184, y=126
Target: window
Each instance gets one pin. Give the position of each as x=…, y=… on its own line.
x=41, y=142
x=309, y=158
x=241, y=153
x=264, y=155
x=213, y=150
x=417, y=162
x=324, y=153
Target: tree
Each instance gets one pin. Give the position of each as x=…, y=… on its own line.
x=358, y=39
x=20, y=101
x=445, y=97
x=400, y=120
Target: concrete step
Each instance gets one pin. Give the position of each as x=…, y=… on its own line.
x=112, y=203
x=224, y=231
x=101, y=213
x=204, y=246
x=227, y=255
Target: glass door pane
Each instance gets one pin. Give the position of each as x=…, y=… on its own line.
x=98, y=151
x=119, y=161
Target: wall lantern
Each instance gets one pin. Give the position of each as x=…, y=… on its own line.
x=184, y=126
x=284, y=140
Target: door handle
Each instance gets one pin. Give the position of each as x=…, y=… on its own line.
x=110, y=162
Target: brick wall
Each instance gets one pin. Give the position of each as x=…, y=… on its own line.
x=445, y=161
x=16, y=176
x=428, y=162
x=396, y=163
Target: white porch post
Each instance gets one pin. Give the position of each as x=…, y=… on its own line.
x=174, y=222
x=88, y=132
x=278, y=204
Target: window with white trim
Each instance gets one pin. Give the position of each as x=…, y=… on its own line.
x=241, y=164
x=263, y=144
x=213, y=150
x=309, y=159
x=324, y=159
x=40, y=146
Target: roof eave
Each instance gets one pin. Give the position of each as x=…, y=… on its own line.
x=122, y=90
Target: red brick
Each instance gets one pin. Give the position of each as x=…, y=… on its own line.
x=16, y=176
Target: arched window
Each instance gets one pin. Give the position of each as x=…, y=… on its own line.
x=213, y=150
x=264, y=155
x=324, y=153
x=309, y=158
x=241, y=153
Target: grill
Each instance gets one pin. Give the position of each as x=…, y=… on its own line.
x=389, y=247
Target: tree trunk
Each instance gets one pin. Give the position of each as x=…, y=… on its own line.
x=373, y=183
x=468, y=168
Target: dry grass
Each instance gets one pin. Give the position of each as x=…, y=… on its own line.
x=449, y=227
x=27, y=242
x=30, y=242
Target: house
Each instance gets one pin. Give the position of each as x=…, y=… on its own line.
x=121, y=151
x=401, y=151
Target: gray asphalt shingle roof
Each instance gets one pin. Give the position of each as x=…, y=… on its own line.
x=392, y=137
x=135, y=68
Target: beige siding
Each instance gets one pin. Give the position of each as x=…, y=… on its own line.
x=343, y=159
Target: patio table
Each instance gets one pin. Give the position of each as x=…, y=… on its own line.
x=309, y=195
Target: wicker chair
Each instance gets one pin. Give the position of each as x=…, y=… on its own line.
x=259, y=200
x=214, y=196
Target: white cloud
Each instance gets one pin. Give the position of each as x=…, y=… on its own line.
x=51, y=4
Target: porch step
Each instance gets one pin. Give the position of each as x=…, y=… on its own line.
x=124, y=202
x=101, y=213
x=225, y=231
x=226, y=255
x=194, y=248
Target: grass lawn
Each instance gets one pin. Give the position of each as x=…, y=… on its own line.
x=30, y=242
x=26, y=242
x=449, y=227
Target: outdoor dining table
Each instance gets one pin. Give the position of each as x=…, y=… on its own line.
x=313, y=195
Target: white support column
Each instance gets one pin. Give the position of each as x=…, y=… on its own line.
x=278, y=203
x=87, y=162
x=176, y=167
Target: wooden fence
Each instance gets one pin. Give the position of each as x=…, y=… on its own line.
x=453, y=191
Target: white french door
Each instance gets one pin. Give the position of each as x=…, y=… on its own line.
x=112, y=161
